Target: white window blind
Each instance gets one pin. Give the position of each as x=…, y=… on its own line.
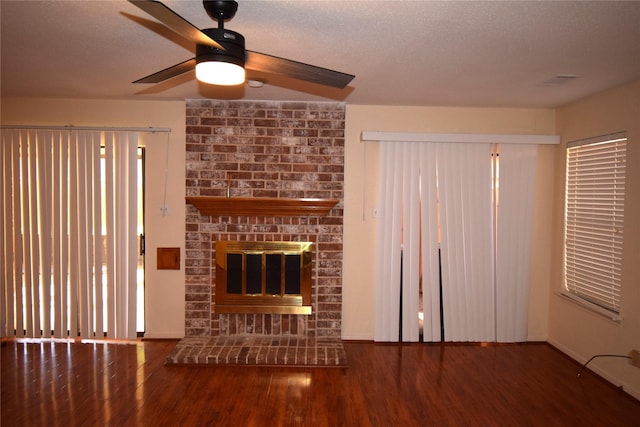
x=68, y=244
x=438, y=249
x=594, y=219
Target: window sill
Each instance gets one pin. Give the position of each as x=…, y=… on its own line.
x=609, y=315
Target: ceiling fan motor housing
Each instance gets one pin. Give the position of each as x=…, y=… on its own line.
x=220, y=9
x=232, y=42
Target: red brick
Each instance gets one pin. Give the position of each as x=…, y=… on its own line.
x=267, y=149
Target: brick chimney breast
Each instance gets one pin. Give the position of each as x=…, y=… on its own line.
x=264, y=149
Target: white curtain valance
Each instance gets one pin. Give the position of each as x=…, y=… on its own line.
x=466, y=138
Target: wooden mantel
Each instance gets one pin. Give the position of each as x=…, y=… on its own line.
x=260, y=206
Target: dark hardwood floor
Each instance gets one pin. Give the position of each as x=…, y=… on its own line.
x=96, y=384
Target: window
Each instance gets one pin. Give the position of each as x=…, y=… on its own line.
x=594, y=219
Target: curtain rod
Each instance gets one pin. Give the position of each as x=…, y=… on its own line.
x=94, y=128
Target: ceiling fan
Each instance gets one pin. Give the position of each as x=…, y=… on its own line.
x=221, y=57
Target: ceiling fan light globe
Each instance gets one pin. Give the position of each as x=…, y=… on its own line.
x=220, y=73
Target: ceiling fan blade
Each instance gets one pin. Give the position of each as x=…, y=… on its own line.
x=274, y=65
x=176, y=22
x=167, y=73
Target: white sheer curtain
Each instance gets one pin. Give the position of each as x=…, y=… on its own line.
x=450, y=189
x=62, y=276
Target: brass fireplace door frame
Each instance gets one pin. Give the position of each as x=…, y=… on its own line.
x=263, y=302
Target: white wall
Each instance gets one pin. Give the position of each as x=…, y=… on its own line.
x=164, y=291
x=361, y=187
x=576, y=331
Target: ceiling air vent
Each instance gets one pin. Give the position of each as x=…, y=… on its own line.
x=559, y=80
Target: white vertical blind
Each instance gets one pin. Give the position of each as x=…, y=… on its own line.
x=594, y=219
x=126, y=229
x=484, y=278
x=96, y=232
x=517, y=173
x=52, y=233
x=389, y=247
x=4, y=258
x=429, y=243
x=408, y=222
x=30, y=232
x=411, y=244
x=465, y=183
x=45, y=167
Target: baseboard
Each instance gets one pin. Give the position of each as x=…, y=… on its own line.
x=356, y=338
x=533, y=338
x=163, y=335
x=618, y=382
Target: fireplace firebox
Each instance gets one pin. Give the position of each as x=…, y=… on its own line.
x=263, y=277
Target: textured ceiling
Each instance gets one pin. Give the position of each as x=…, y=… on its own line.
x=446, y=53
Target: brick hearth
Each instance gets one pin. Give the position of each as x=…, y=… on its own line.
x=259, y=350
x=264, y=149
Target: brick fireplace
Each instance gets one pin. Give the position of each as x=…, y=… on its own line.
x=271, y=150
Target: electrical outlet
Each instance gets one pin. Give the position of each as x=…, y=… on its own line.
x=634, y=358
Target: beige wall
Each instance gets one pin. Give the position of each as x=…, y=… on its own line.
x=164, y=294
x=576, y=331
x=361, y=186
